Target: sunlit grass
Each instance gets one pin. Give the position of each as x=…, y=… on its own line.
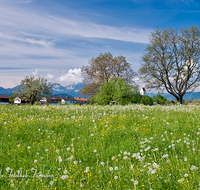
x=99, y=147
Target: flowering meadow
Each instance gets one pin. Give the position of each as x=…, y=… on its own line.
x=99, y=147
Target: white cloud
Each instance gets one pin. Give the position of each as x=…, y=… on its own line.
x=30, y=39
x=50, y=76
x=73, y=76
x=28, y=21
x=26, y=40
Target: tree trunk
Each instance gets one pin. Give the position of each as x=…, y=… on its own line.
x=180, y=99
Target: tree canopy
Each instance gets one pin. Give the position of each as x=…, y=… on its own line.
x=103, y=68
x=171, y=61
x=33, y=87
x=118, y=92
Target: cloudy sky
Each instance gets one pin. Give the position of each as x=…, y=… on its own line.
x=55, y=38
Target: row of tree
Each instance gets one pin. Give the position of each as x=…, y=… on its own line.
x=119, y=92
x=171, y=63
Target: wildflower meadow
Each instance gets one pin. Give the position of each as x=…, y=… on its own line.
x=99, y=147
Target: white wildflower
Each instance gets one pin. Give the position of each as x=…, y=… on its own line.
x=116, y=177
x=75, y=162
x=57, y=150
x=132, y=166
x=193, y=168
x=111, y=168
x=135, y=182
x=87, y=169
x=64, y=176
x=155, y=165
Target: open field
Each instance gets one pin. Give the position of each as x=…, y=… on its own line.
x=99, y=147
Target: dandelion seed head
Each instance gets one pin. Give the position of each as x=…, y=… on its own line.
x=116, y=177
x=111, y=168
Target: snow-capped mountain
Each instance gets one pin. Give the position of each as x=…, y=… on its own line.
x=70, y=90
x=73, y=91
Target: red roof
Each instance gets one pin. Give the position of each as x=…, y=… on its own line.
x=4, y=97
x=81, y=99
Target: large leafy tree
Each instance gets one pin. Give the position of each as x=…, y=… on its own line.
x=114, y=91
x=33, y=87
x=103, y=68
x=171, y=61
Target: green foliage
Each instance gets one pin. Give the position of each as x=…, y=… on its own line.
x=36, y=103
x=112, y=92
x=105, y=94
x=159, y=99
x=196, y=102
x=33, y=87
x=12, y=97
x=136, y=98
x=146, y=100
x=122, y=92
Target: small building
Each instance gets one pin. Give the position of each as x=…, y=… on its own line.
x=172, y=101
x=44, y=101
x=17, y=100
x=81, y=101
x=4, y=99
x=142, y=91
x=54, y=100
x=70, y=100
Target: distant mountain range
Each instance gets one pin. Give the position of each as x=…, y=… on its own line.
x=73, y=91
x=58, y=90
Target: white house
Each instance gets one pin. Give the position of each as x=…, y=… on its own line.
x=62, y=101
x=142, y=91
x=17, y=100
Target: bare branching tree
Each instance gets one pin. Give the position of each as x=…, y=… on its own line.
x=172, y=61
x=104, y=68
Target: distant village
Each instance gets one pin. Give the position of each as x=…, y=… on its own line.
x=56, y=100
x=51, y=100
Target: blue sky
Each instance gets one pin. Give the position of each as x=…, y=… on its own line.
x=55, y=38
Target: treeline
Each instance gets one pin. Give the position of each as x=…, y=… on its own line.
x=121, y=93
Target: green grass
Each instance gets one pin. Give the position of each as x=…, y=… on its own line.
x=99, y=147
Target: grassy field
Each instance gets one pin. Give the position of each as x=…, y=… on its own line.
x=99, y=147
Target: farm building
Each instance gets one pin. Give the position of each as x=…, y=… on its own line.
x=4, y=99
